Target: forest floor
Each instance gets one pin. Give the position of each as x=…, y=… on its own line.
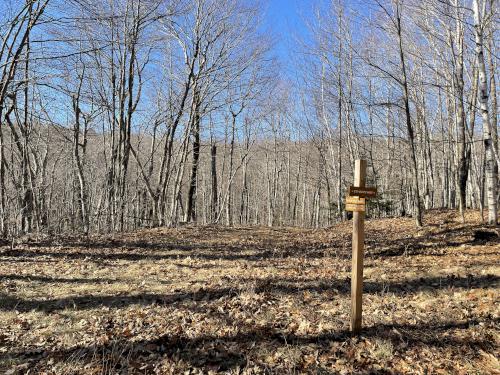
x=254, y=300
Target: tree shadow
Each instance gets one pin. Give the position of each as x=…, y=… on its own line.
x=431, y=243
x=54, y=279
x=343, y=286
x=85, y=302
x=212, y=253
x=270, y=286
x=227, y=352
x=378, y=245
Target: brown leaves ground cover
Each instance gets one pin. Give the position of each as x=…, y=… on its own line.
x=199, y=300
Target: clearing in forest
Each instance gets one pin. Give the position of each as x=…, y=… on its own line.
x=254, y=300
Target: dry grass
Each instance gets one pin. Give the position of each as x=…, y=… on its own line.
x=253, y=300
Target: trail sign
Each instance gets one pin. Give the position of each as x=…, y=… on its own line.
x=355, y=207
x=356, y=202
x=363, y=192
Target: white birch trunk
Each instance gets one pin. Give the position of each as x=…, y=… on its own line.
x=491, y=165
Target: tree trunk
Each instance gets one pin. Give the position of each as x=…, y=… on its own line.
x=215, y=193
x=409, y=125
x=191, y=203
x=491, y=165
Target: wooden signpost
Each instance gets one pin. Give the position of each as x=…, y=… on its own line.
x=356, y=202
x=365, y=192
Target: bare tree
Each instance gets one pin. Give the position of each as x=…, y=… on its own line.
x=490, y=160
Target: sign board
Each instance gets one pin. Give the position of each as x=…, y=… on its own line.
x=355, y=207
x=355, y=200
x=363, y=192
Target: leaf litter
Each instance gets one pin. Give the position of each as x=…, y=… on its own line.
x=209, y=299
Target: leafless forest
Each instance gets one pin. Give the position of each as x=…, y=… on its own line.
x=124, y=114
x=173, y=182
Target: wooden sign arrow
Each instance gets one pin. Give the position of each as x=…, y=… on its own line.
x=363, y=192
x=355, y=207
x=355, y=200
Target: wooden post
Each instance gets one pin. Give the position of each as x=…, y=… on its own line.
x=358, y=242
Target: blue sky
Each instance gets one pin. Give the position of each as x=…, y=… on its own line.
x=289, y=18
x=287, y=21
x=285, y=14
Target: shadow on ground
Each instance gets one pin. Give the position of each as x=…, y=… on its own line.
x=378, y=245
x=228, y=352
x=271, y=287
